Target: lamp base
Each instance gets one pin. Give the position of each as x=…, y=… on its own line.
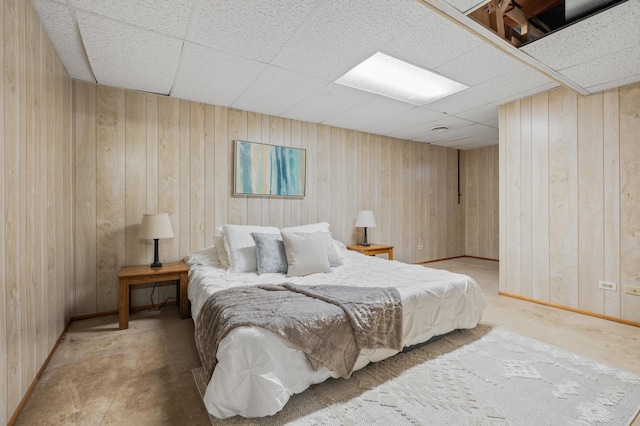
x=365, y=243
x=156, y=259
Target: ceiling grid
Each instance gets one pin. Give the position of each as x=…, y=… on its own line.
x=282, y=57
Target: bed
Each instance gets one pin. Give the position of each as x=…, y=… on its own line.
x=257, y=372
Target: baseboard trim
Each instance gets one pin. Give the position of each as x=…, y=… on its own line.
x=107, y=313
x=568, y=308
x=96, y=315
x=457, y=257
x=438, y=260
x=482, y=258
x=26, y=396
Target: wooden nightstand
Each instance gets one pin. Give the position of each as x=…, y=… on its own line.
x=131, y=275
x=373, y=249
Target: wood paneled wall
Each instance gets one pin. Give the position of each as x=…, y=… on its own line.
x=36, y=201
x=570, y=193
x=479, y=188
x=138, y=153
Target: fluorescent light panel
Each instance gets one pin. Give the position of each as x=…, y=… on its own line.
x=387, y=76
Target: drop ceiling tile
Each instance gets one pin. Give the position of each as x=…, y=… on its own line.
x=501, y=88
x=340, y=34
x=495, y=123
x=610, y=31
x=167, y=16
x=207, y=75
x=451, y=144
x=473, y=132
x=328, y=102
x=481, y=114
x=411, y=119
x=63, y=33
x=276, y=90
x=473, y=143
x=530, y=92
x=465, y=144
x=125, y=56
x=423, y=130
x=378, y=116
x=613, y=84
x=253, y=29
x=609, y=68
x=432, y=42
x=478, y=65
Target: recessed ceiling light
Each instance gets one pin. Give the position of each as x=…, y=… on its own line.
x=387, y=76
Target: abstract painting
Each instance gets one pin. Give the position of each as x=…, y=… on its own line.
x=262, y=169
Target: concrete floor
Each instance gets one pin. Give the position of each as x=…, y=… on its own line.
x=100, y=375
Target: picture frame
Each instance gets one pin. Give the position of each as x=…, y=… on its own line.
x=269, y=170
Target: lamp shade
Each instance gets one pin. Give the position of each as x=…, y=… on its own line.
x=365, y=219
x=155, y=226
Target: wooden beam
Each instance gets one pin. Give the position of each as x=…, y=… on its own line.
x=500, y=8
x=517, y=15
x=536, y=7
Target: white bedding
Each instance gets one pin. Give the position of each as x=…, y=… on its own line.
x=257, y=372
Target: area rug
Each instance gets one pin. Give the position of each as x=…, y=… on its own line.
x=484, y=376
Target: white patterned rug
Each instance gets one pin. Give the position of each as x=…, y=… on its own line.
x=484, y=376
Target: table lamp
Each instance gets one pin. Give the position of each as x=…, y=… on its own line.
x=154, y=227
x=365, y=220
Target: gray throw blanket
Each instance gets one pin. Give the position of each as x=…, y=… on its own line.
x=330, y=324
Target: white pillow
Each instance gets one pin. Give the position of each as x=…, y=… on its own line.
x=306, y=253
x=218, y=243
x=320, y=227
x=240, y=247
x=310, y=228
x=207, y=256
x=341, y=249
x=332, y=252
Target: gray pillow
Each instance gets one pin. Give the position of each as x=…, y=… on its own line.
x=270, y=256
x=306, y=253
x=332, y=253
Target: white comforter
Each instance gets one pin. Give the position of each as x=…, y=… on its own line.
x=257, y=372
